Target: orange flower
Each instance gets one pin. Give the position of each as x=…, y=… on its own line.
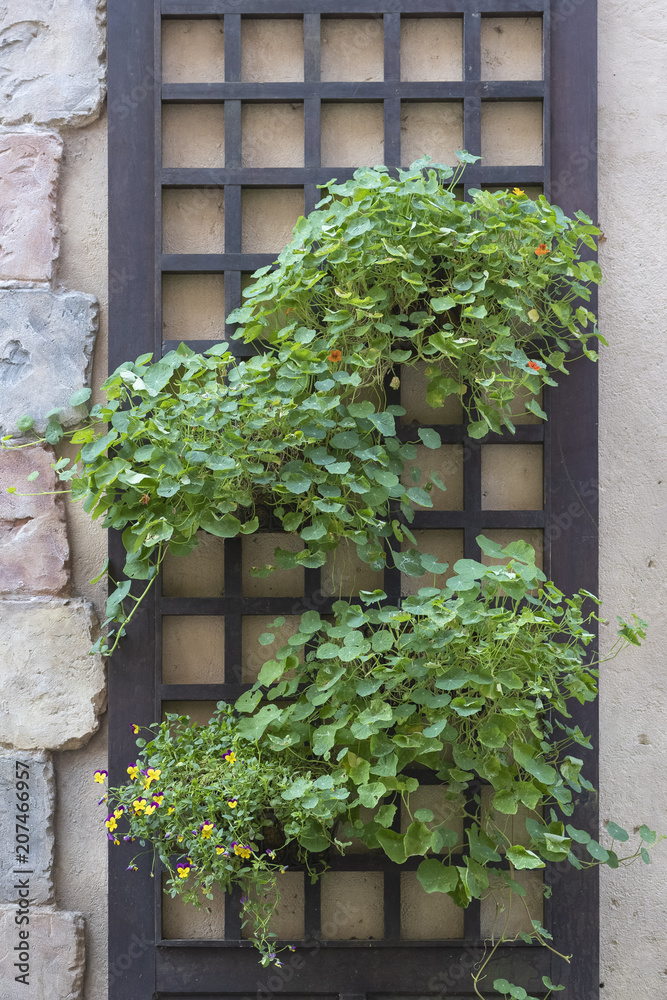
x=335, y=356
x=146, y=497
x=534, y=365
x=541, y=250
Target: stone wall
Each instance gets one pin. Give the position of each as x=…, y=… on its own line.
x=52, y=307
x=52, y=72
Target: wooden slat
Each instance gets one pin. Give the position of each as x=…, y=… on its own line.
x=340, y=967
x=272, y=93
x=271, y=8
x=132, y=311
x=573, y=541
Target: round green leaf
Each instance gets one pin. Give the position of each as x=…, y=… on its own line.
x=502, y=986
x=424, y=815
x=392, y=844
x=417, y=839
x=551, y=986
x=433, y=876
x=523, y=859
x=581, y=836
x=430, y=437
x=80, y=396
x=597, y=851
x=617, y=832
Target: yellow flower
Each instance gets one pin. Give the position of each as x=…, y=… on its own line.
x=233, y=803
x=170, y=810
x=133, y=771
x=149, y=810
x=183, y=871
x=134, y=727
x=207, y=829
x=230, y=757
x=517, y=191
x=139, y=805
x=242, y=850
x=157, y=799
x=220, y=849
x=111, y=823
x=100, y=777
x=152, y=774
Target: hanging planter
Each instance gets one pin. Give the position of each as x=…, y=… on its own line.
x=465, y=684
x=490, y=293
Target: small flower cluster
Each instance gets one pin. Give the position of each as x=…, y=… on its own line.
x=203, y=799
x=111, y=823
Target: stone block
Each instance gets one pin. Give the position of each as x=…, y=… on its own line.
x=34, y=548
x=46, y=354
x=27, y=790
x=52, y=61
x=52, y=690
x=53, y=963
x=29, y=165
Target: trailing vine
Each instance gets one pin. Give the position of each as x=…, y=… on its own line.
x=386, y=272
x=468, y=683
x=466, y=687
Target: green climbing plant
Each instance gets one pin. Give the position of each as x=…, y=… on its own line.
x=465, y=684
x=386, y=272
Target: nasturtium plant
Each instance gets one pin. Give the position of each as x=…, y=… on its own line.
x=461, y=687
x=464, y=687
x=387, y=272
x=491, y=292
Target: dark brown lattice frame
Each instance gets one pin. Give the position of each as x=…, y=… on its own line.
x=391, y=967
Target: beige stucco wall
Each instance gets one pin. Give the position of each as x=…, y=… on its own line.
x=633, y=450
x=81, y=847
x=633, y=481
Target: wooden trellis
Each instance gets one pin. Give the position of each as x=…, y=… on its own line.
x=392, y=965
